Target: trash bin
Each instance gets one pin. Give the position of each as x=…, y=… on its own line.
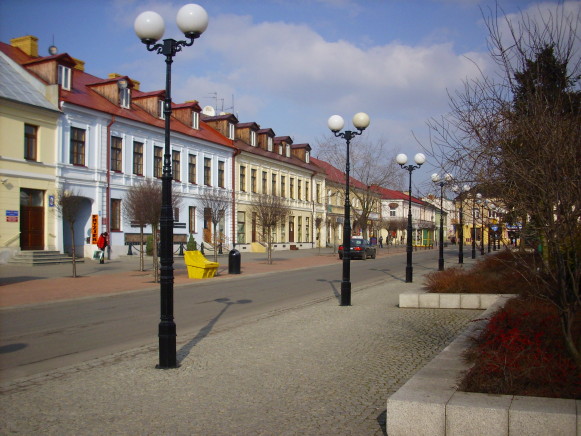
x=234, y=262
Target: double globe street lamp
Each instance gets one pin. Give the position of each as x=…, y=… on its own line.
x=402, y=159
x=149, y=26
x=441, y=182
x=335, y=124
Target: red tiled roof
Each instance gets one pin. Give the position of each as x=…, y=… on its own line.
x=243, y=146
x=337, y=176
x=390, y=194
x=81, y=94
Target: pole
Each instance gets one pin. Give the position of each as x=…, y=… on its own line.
x=441, y=248
x=409, y=268
x=461, y=237
x=167, y=327
x=346, y=281
x=473, y=229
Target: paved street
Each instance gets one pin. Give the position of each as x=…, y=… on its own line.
x=314, y=369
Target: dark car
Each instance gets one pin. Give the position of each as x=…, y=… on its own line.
x=360, y=249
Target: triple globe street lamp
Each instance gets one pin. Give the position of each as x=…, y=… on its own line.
x=335, y=124
x=402, y=159
x=149, y=26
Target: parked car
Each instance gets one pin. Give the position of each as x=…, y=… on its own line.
x=360, y=249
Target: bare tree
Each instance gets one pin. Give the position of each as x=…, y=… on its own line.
x=270, y=212
x=145, y=208
x=217, y=202
x=517, y=136
x=68, y=205
x=136, y=204
x=371, y=164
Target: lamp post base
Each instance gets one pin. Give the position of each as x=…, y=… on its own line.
x=345, y=293
x=409, y=272
x=440, y=264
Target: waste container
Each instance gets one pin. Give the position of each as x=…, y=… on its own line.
x=234, y=262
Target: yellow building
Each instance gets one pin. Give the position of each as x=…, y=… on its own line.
x=28, y=136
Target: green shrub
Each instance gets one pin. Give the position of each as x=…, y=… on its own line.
x=192, y=244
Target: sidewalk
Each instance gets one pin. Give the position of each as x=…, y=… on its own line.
x=318, y=369
x=23, y=285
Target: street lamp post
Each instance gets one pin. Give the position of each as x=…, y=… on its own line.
x=335, y=124
x=482, y=205
x=474, y=199
x=438, y=180
x=460, y=192
x=149, y=26
x=402, y=159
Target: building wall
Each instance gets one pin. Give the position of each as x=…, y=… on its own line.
x=16, y=173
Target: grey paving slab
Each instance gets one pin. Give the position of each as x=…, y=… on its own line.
x=319, y=369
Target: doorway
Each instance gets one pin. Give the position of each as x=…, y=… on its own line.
x=31, y=219
x=291, y=229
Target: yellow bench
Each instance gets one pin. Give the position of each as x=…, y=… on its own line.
x=198, y=266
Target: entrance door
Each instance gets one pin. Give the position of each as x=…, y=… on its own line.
x=31, y=219
x=291, y=230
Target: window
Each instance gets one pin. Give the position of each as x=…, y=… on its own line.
x=280, y=149
x=64, y=77
x=161, y=109
x=253, y=138
x=269, y=144
x=242, y=178
x=288, y=150
x=30, y=141
x=220, y=174
x=195, y=120
x=125, y=98
x=318, y=193
x=307, y=191
x=138, y=158
x=230, y=131
x=176, y=214
x=192, y=219
x=253, y=180
x=115, y=215
x=300, y=189
x=192, y=169
x=175, y=164
x=300, y=225
x=292, y=188
x=307, y=229
x=273, y=190
x=207, y=171
x=264, y=182
x=241, y=228
x=392, y=212
x=77, y=146
x=116, y=153
x=157, y=161
x=307, y=156
x=282, y=186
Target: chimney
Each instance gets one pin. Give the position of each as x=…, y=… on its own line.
x=28, y=44
x=79, y=64
x=135, y=83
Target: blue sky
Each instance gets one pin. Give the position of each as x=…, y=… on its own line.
x=287, y=64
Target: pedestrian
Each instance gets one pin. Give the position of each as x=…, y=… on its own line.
x=102, y=243
x=381, y=242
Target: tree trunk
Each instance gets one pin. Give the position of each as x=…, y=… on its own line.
x=155, y=257
x=74, y=251
x=141, y=260
x=215, y=238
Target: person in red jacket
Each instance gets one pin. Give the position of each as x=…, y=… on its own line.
x=102, y=243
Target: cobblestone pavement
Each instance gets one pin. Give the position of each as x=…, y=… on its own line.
x=319, y=369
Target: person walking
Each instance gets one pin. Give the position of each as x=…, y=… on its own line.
x=102, y=243
x=381, y=242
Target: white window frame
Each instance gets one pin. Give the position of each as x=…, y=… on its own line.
x=269, y=144
x=253, y=138
x=230, y=131
x=195, y=120
x=125, y=98
x=161, y=109
x=64, y=77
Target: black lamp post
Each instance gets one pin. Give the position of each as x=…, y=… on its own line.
x=336, y=123
x=149, y=27
x=438, y=181
x=478, y=196
x=482, y=204
x=402, y=159
x=460, y=192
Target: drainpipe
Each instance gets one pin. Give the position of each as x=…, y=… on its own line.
x=108, y=189
x=234, y=154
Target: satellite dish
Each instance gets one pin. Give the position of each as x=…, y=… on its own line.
x=209, y=110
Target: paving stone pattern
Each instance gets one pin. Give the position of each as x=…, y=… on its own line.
x=320, y=369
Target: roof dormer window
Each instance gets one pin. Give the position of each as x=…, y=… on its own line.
x=195, y=120
x=253, y=138
x=124, y=94
x=288, y=150
x=162, y=109
x=230, y=131
x=125, y=98
x=64, y=77
x=280, y=149
x=269, y=144
x=307, y=156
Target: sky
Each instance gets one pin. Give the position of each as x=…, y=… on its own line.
x=289, y=64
